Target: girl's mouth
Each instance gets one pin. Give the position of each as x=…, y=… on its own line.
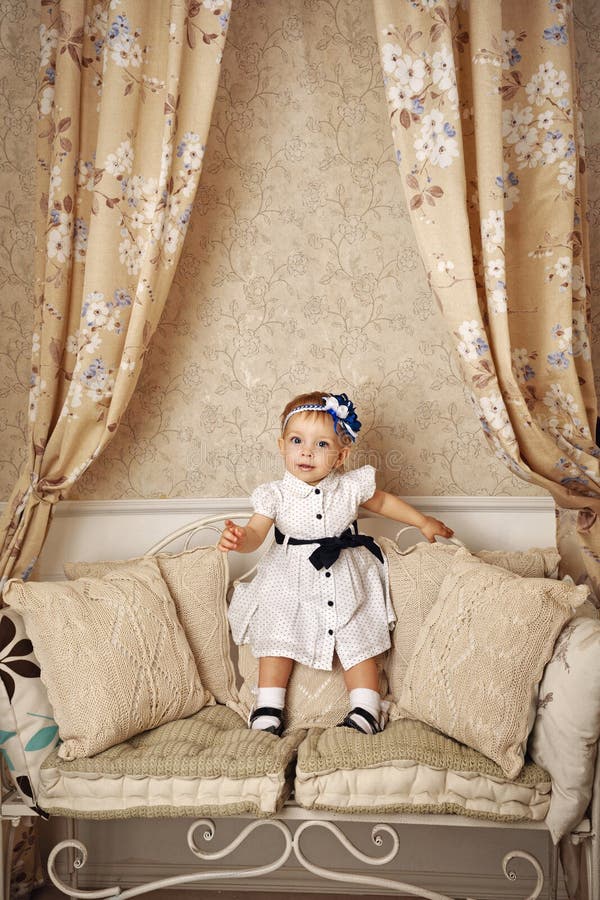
x=305, y=466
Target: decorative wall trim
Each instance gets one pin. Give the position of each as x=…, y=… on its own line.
x=207, y=505
x=119, y=529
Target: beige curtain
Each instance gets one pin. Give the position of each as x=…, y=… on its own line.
x=125, y=95
x=483, y=107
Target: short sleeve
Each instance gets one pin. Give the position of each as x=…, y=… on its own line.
x=264, y=500
x=363, y=480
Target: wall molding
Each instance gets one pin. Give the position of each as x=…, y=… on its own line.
x=208, y=505
x=120, y=529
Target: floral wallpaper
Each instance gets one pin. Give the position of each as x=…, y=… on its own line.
x=587, y=35
x=299, y=271
x=19, y=53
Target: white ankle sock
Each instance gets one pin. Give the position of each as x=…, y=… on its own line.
x=268, y=696
x=369, y=700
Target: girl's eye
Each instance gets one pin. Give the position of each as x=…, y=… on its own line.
x=323, y=444
x=296, y=440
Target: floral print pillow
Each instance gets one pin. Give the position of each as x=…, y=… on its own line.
x=567, y=726
x=27, y=728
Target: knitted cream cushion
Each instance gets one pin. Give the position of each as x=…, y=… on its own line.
x=415, y=578
x=314, y=698
x=112, y=653
x=480, y=655
x=197, y=580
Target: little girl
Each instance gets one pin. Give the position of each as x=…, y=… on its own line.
x=321, y=588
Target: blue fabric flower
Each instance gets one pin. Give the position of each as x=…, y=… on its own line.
x=342, y=410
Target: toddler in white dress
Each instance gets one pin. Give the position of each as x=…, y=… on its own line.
x=321, y=588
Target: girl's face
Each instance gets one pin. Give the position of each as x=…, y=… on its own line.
x=311, y=448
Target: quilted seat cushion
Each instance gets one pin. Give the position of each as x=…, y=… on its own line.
x=207, y=764
x=411, y=767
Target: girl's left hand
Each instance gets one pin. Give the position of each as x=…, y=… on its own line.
x=434, y=526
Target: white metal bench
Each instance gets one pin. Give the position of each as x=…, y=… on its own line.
x=286, y=830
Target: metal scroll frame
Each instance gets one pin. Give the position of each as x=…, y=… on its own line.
x=383, y=835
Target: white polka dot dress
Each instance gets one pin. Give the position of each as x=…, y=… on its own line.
x=291, y=608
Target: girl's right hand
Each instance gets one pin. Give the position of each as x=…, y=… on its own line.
x=233, y=538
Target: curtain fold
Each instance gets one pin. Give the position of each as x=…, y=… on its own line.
x=125, y=95
x=488, y=133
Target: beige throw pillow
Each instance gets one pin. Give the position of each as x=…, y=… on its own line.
x=533, y=563
x=197, y=580
x=315, y=698
x=480, y=655
x=113, y=656
x=415, y=578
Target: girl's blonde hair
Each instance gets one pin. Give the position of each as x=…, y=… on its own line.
x=314, y=398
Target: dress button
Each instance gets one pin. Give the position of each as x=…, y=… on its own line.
x=317, y=490
x=319, y=516
x=330, y=603
x=327, y=574
x=330, y=631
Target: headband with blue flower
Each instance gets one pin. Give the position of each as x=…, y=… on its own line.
x=340, y=408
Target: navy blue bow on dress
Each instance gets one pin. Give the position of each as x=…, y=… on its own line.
x=330, y=547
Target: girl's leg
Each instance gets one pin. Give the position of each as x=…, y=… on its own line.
x=362, y=682
x=274, y=671
x=273, y=676
x=363, y=675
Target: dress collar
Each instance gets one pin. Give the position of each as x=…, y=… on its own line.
x=302, y=489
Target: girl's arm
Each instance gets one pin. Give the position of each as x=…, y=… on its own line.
x=244, y=539
x=393, y=507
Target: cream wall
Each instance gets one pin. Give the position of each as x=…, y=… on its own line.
x=299, y=271
x=18, y=62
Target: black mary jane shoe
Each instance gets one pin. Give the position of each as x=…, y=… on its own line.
x=268, y=711
x=366, y=715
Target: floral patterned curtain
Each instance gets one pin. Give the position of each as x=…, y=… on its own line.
x=125, y=95
x=488, y=133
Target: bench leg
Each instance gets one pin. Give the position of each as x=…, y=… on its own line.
x=7, y=853
x=4, y=863
x=592, y=858
x=72, y=865
x=553, y=859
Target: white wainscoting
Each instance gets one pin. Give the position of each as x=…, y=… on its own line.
x=458, y=861
x=118, y=529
